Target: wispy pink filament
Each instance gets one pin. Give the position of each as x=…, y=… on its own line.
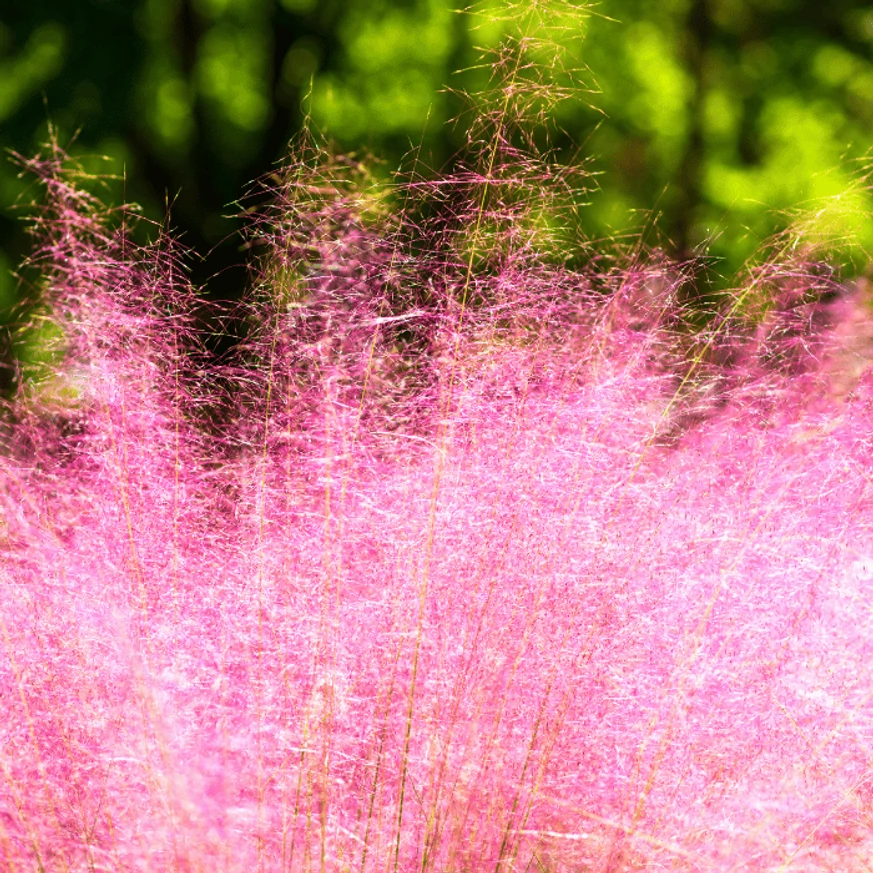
x=587, y=590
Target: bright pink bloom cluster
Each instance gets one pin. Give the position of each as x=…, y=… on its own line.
x=453, y=564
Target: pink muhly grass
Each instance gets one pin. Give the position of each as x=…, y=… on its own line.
x=462, y=560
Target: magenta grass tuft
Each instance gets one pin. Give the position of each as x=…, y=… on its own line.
x=461, y=560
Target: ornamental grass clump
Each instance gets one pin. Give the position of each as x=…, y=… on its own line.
x=459, y=559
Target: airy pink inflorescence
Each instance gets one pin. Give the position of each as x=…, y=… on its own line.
x=457, y=563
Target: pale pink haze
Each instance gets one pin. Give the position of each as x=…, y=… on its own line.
x=459, y=560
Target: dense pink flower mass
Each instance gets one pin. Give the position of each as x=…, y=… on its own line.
x=458, y=561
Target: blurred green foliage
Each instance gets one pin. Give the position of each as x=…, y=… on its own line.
x=719, y=118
